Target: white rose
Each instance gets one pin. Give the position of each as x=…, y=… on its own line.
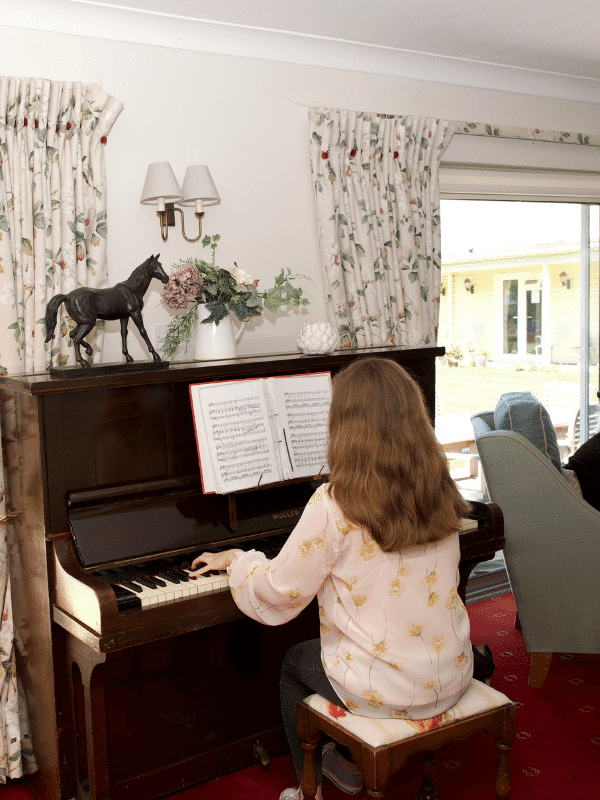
x=241, y=276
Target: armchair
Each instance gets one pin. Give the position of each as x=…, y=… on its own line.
x=552, y=549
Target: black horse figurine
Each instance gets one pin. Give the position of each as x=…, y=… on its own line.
x=85, y=306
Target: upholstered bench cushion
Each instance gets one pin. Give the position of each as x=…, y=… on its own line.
x=378, y=732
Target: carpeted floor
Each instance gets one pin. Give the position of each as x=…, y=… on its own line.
x=556, y=753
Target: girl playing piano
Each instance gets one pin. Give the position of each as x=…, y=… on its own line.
x=378, y=545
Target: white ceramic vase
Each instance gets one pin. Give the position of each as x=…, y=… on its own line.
x=213, y=341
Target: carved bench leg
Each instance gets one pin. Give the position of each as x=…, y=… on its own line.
x=502, y=785
x=308, y=779
x=504, y=731
x=428, y=790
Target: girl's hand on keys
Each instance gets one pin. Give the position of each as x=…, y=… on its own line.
x=213, y=561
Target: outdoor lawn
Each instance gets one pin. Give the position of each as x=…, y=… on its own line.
x=465, y=390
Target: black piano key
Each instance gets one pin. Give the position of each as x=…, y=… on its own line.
x=169, y=578
x=179, y=573
x=157, y=580
x=149, y=583
x=130, y=585
x=125, y=598
x=171, y=572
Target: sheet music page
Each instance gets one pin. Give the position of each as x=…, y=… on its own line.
x=302, y=402
x=236, y=444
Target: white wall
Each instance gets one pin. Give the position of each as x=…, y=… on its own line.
x=247, y=119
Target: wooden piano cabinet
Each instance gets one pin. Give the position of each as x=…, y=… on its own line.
x=154, y=718
x=153, y=714
x=88, y=433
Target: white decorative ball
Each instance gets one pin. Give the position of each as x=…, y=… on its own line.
x=317, y=338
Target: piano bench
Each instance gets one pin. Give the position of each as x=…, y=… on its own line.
x=380, y=747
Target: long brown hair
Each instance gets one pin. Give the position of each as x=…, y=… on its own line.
x=388, y=472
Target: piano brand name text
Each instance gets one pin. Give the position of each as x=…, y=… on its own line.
x=295, y=513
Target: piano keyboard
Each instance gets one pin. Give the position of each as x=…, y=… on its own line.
x=161, y=589
x=157, y=583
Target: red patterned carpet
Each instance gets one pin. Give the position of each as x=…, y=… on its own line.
x=556, y=753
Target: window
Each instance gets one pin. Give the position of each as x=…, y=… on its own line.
x=520, y=227
x=529, y=313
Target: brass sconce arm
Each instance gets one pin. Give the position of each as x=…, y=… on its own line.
x=167, y=220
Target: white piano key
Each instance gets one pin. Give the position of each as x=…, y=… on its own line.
x=146, y=596
x=174, y=592
x=210, y=583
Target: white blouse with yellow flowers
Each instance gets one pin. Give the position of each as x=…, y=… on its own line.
x=395, y=637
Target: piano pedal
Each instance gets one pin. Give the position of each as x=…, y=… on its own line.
x=260, y=754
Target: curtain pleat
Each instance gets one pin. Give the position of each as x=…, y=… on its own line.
x=377, y=196
x=52, y=240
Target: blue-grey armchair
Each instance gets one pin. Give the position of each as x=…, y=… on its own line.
x=552, y=549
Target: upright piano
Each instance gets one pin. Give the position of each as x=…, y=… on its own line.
x=139, y=692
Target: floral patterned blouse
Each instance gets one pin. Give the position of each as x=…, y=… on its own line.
x=395, y=636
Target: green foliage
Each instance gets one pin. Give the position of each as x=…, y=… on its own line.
x=223, y=292
x=180, y=331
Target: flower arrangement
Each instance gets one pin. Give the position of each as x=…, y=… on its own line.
x=454, y=354
x=195, y=281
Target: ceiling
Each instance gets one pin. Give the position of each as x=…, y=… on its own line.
x=550, y=36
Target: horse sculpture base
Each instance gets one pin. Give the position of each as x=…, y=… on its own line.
x=110, y=368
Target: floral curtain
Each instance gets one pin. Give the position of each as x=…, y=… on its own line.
x=52, y=240
x=529, y=134
x=377, y=196
x=52, y=209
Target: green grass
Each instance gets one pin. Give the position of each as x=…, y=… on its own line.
x=462, y=390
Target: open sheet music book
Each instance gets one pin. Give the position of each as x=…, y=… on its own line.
x=258, y=431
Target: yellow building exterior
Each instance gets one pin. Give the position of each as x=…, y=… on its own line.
x=519, y=305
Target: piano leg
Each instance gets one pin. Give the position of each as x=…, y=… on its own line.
x=91, y=668
x=464, y=569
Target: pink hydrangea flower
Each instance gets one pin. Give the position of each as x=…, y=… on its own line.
x=183, y=287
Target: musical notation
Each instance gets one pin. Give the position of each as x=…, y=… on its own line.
x=253, y=468
x=261, y=430
x=305, y=417
x=228, y=409
x=232, y=431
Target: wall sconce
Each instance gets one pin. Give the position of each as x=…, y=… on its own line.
x=565, y=280
x=469, y=286
x=161, y=187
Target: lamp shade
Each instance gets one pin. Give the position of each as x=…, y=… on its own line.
x=198, y=185
x=160, y=184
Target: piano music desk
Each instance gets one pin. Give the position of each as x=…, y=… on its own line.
x=144, y=702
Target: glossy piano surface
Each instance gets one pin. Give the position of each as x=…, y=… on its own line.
x=139, y=703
